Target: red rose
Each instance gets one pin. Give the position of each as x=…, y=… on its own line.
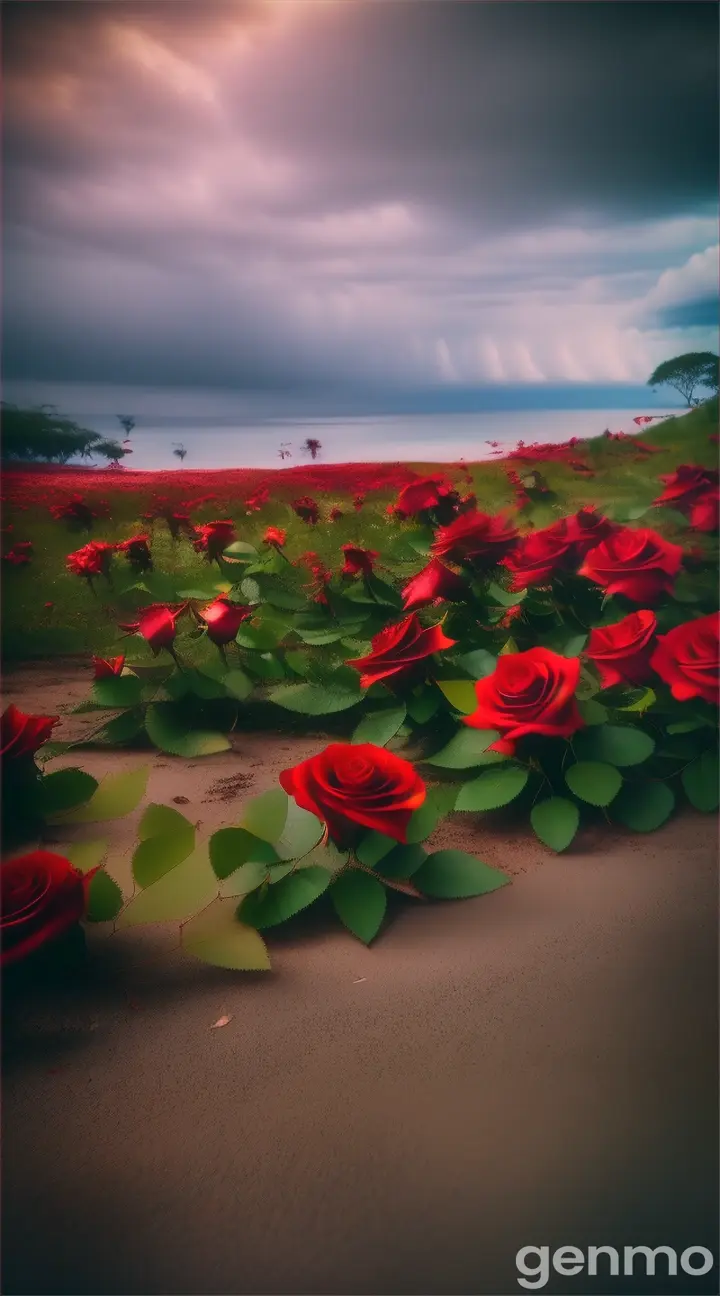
x=687, y=485
x=705, y=512
x=108, y=666
x=586, y=529
x=223, y=619
x=257, y=500
x=399, y=650
x=306, y=509
x=275, y=536
x=423, y=495
x=358, y=561
x=335, y=514
x=22, y=735
x=477, y=536
x=358, y=502
x=686, y=658
x=435, y=583
x=92, y=560
x=42, y=896
x=539, y=556
x=352, y=785
x=637, y=563
x=622, y=651
x=529, y=692
x=138, y=553
x=156, y=625
x=212, y=537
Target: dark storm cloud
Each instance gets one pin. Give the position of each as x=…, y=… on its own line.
x=264, y=193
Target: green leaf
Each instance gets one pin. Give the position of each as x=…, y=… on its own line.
x=239, y=552
x=402, y=861
x=122, y=728
x=565, y=641
x=614, y=745
x=204, y=686
x=379, y=727
x=374, y=847
x=592, y=712
x=555, y=822
x=504, y=597
x=301, y=831
x=643, y=807
x=594, y=782
x=64, y=790
x=493, y=789
x=331, y=635
x=465, y=749
x=454, y=875
x=360, y=903
x=245, y=879
x=478, y=663
x=700, y=781
x=686, y=726
x=287, y=898
x=230, y=848
x=170, y=731
x=114, y=797
x=265, y=816
x=265, y=666
x=642, y=703
x=217, y=936
x=460, y=694
x=166, y=839
x=262, y=637
x=325, y=855
x=315, y=699
x=177, y=896
x=438, y=803
x=105, y=899
x=383, y=592
x=237, y=684
x=423, y=706
x=117, y=691
x=85, y=856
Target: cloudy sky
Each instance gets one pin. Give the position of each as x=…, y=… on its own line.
x=388, y=196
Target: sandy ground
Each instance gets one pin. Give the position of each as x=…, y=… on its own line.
x=537, y=1067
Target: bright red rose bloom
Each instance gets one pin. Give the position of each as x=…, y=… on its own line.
x=475, y=536
x=529, y=692
x=586, y=529
x=92, y=560
x=540, y=556
x=400, y=650
x=275, y=536
x=435, y=583
x=105, y=667
x=687, y=485
x=358, y=561
x=137, y=551
x=306, y=509
x=212, y=537
x=637, y=563
x=42, y=897
x=22, y=735
x=705, y=513
x=357, y=785
x=156, y=625
x=423, y=495
x=622, y=651
x=223, y=619
x=686, y=658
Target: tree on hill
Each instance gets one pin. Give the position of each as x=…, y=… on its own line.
x=42, y=434
x=312, y=446
x=127, y=422
x=687, y=373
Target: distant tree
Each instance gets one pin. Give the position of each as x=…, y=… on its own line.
x=127, y=422
x=312, y=446
x=686, y=373
x=179, y=450
x=284, y=450
x=41, y=434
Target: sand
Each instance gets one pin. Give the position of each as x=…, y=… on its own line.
x=536, y=1067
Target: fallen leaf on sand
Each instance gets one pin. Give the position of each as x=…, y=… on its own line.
x=181, y=800
x=359, y=980
x=221, y=1021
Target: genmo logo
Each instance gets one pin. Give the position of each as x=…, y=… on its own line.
x=535, y=1263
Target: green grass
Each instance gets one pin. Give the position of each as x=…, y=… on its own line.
x=80, y=623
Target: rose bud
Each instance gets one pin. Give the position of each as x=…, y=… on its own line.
x=351, y=786
x=275, y=536
x=436, y=582
x=636, y=563
x=138, y=553
x=156, y=625
x=22, y=735
x=335, y=514
x=400, y=651
x=306, y=509
x=529, y=692
x=105, y=667
x=223, y=619
x=477, y=537
x=92, y=560
x=42, y=897
x=622, y=651
x=211, y=538
x=686, y=658
x=358, y=561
